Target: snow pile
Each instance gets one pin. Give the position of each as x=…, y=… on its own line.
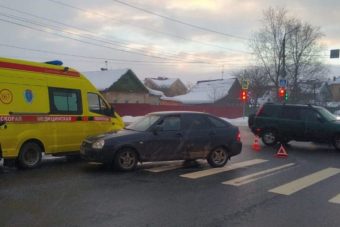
x=242, y=121
x=155, y=92
x=104, y=79
x=333, y=104
x=205, y=92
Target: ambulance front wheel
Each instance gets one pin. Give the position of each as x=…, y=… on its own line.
x=29, y=156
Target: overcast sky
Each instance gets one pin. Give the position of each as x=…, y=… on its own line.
x=152, y=37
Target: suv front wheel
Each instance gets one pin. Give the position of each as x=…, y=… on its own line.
x=269, y=137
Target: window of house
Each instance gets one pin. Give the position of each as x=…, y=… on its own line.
x=65, y=101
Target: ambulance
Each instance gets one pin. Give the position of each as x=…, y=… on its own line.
x=48, y=108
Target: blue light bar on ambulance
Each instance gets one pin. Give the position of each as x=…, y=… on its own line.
x=54, y=62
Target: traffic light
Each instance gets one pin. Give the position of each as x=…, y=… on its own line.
x=244, y=95
x=282, y=92
x=286, y=96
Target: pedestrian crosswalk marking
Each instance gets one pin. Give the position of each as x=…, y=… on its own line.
x=304, y=182
x=256, y=176
x=335, y=199
x=212, y=171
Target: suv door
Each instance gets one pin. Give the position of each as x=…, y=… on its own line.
x=315, y=126
x=291, y=125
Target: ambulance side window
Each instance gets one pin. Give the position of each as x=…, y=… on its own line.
x=98, y=105
x=65, y=101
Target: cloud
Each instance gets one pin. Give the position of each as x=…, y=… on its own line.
x=126, y=28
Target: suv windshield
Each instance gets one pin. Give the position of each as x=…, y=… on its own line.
x=143, y=123
x=326, y=114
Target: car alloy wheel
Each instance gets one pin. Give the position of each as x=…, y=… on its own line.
x=126, y=159
x=269, y=138
x=218, y=157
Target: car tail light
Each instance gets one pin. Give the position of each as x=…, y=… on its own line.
x=238, y=137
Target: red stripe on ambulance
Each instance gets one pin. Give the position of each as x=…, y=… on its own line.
x=38, y=69
x=39, y=118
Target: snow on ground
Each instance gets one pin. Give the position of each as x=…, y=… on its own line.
x=242, y=121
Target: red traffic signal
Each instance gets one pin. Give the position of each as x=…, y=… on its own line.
x=282, y=92
x=244, y=95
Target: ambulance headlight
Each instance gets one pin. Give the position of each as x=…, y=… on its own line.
x=99, y=144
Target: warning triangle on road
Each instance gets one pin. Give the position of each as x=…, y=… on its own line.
x=282, y=153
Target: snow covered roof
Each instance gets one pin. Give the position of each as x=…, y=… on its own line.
x=104, y=79
x=163, y=82
x=205, y=92
x=154, y=92
x=336, y=81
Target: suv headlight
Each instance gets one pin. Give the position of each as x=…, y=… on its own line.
x=99, y=144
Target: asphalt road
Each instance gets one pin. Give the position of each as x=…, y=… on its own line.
x=292, y=191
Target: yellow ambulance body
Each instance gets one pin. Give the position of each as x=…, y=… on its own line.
x=48, y=108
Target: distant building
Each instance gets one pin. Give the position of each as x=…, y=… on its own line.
x=220, y=92
x=123, y=86
x=169, y=86
x=334, y=87
x=315, y=92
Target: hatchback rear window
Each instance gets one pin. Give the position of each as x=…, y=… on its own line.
x=218, y=123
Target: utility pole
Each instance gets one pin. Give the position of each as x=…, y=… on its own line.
x=284, y=56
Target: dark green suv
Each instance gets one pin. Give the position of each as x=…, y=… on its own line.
x=282, y=122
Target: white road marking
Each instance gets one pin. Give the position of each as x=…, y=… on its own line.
x=335, y=199
x=212, y=171
x=253, y=177
x=304, y=182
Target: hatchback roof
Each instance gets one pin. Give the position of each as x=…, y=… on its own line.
x=177, y=112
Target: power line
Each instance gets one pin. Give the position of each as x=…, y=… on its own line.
x=86, y=42
x=179, y=21
x=26, y=20
x=146, y=28
x=101, y=58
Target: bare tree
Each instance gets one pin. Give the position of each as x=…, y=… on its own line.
x=303, y=56
x=286, y=46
